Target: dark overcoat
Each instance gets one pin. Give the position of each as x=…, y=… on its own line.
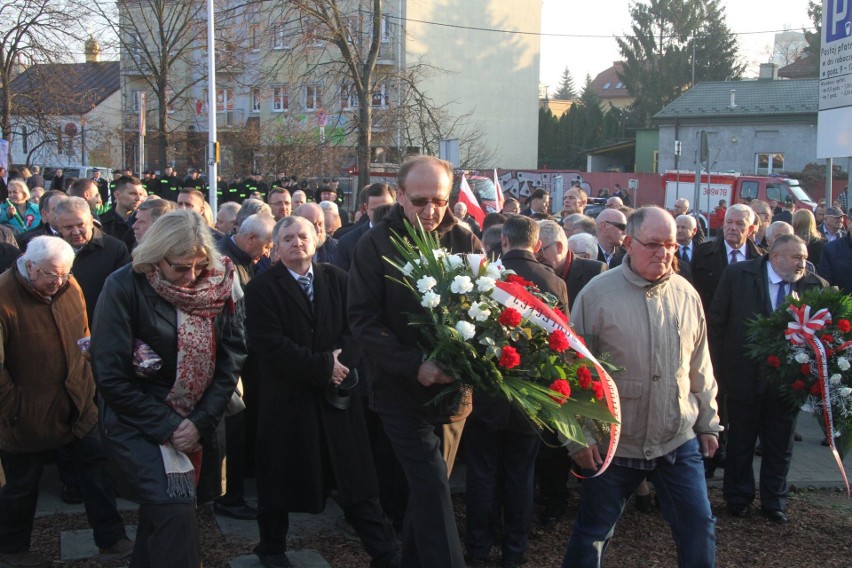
x=742, y=293
x=301, y=438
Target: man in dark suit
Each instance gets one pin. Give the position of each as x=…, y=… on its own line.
x=712, y=257
x=45, y=208
x=554, y=252
x=309, y=440
x=372, y=196
x=755, y=408
x=709, y=261
x=611, y=224
x=501, y=442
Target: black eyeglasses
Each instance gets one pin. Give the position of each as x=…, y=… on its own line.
x=652, y=248
x=184, y=268
x=619, y=226
x=424, y=201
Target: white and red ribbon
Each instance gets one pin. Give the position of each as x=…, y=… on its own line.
x=533, y=309
x=802, y=331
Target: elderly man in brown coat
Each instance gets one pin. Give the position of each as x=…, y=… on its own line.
x=47, y=401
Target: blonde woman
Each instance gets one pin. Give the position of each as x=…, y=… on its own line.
x=804, y=226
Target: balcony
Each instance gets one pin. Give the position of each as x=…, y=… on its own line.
x=230, y=119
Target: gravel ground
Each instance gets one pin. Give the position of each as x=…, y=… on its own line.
x=819, y=535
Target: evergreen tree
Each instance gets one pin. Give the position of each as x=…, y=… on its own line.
x=566, y=91
x=814, y=36
x=658, y=52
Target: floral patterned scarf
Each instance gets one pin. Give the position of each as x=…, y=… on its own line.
x=197, y=307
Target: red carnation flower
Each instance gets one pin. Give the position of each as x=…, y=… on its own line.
x=844, y=325
x=515, y=279
x=827, y=338
x=510, y=317
x=579, y=355
x=598, y=389
x=584, y=377
x=558, y=341
x=563, y=388
x=509, y=357
x=805, y=368
x=816, y=389
x=798, y=385
x=773, y=361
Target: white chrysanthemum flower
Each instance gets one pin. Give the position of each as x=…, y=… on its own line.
x=466, y=329
x=461, y=285
x=494, y=270
x=485, y=283
x=834, y=379
x=430, y=300
x=455, y=260
x=479, y=311
x=408, y=269
x=802, y=357
x=843, y=363
x=426, y=283
x=845, y=392
x=439, y=253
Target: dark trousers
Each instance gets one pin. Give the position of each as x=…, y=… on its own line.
x=430, y=537
x=366, y=517
x=393, y=489
x=553, y=469
x=19, y=497
x=167, y=537
x=235, y=459
x=768, y=417
x=509, y=456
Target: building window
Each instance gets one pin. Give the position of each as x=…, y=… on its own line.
x=255, y=100
x=134, y=100
x=348, y=97
x=282, y=37
x=386, y=28
x=313, y=98
x=59, y=147
x=25, y=143
x=380, y=96
x=280, y=99
x=224, y=99
x=655, y=161
x=313, y=32
x=771, y=163
x=606, y=86
x=254, y=37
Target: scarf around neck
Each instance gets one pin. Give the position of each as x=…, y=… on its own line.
x=197, y=307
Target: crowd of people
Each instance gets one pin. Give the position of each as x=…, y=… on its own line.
x=273, y=332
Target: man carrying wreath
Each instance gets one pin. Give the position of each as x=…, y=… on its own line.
x=404, y=383
x=650, y=320
x=747, y=289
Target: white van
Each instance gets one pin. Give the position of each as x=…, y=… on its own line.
x=73, y=172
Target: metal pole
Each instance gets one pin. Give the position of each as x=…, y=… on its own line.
x=829, y=166
x=212, y=165
x=142, y=104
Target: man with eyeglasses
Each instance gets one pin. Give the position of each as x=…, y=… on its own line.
x=610, y=233
x=97, y=254
x=47, y=401
x=404, y=383
x=651, y=322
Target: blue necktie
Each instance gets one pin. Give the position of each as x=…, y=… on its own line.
x=305, y=283
x=782, y=294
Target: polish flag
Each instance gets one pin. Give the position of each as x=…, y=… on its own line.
x=467, y=197
x=499, y=191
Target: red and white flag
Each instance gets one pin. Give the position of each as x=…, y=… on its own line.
x=467, y=197
x=499, y=191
